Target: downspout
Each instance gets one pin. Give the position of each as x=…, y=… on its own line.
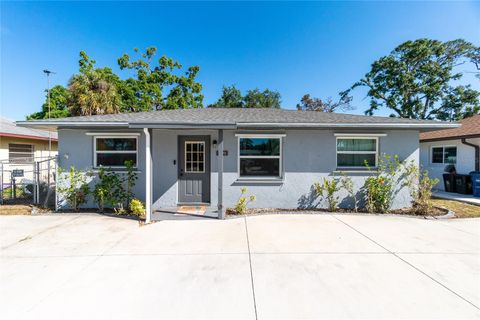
x=477, y=153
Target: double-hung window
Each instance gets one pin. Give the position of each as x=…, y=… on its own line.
x=444, y=154
x=20, y=153
x=260, y=156
x=113, y=151
x=355, y=152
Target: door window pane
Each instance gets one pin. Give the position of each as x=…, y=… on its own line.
x=194, y=156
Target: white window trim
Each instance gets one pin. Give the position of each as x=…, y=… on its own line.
x=280, y=156
x=356, y=152
x=443, y=153
x=113, y=136
x=185, y=156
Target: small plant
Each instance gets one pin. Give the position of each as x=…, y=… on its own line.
x=347, y=183
x=241, y=205
x=420, y=186
x=137, y=208
x=330, y=187
x=75, y=188
x=381, y=186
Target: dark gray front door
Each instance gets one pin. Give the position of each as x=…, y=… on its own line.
x=194, y=169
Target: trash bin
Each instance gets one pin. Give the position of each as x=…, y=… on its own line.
x=475, y=183
x=449, y=182
x=463, y=184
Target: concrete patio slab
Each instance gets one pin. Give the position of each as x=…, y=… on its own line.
x=155, y=286
x=305, y=233
x=330, y=286
x=410, y=235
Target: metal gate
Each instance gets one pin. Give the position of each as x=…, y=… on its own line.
x=29, y=182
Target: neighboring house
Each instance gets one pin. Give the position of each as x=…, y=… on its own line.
x=198, y=156
x=20, y=146
x=458, y=146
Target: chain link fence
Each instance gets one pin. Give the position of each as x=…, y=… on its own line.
x=30, y=181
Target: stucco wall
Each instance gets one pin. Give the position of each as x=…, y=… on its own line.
x=465, y=158
x=308, y=156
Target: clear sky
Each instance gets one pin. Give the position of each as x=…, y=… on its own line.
x=295, y=48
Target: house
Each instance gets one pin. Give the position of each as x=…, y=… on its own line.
x=20, y=146
x=205, y=156
x=457, y=146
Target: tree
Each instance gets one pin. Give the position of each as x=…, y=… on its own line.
x=415, y=80
x=231, y=98
x=58, y=105
x=307, y=103
x=266, y=99
x=93, y=90
x=146, y=91
x=461, y=102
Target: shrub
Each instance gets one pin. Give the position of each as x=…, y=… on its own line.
x=330, y=187
x=379, y=188
x=75, y=188
x=420, y=186
x=115, y=190
x=137, y=208
x=241, y=205
x=347, y=183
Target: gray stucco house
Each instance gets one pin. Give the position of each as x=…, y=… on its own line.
x=206, y=155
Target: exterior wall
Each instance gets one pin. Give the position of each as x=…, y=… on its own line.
x=76, y=149
x=40, y=151
x=308, y=156
x=465, y=158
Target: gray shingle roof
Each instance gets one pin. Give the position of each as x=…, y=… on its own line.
x=240, y=118
x=8, y=127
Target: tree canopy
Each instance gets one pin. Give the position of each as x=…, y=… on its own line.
x=416, y=80
x=58, y=105
x=232, y=98
x=308, y=103
x=156, y=85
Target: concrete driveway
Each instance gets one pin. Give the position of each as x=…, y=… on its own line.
x=277, y=266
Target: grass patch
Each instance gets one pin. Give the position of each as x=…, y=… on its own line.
x=9, y=210
x=461, y=209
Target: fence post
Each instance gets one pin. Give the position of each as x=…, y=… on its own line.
x=38, y=181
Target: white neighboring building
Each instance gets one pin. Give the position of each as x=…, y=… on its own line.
x=459, y=146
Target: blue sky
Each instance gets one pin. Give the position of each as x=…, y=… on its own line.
x=295, y=48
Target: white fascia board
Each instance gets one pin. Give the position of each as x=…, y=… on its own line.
x=350, y=125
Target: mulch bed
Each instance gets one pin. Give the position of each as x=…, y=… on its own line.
x=436, y=211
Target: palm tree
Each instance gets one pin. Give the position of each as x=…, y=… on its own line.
x=93, y=91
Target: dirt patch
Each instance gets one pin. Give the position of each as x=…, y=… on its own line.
x=9, y=210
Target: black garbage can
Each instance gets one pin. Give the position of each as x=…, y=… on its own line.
x=463, y=183
x=449, y=182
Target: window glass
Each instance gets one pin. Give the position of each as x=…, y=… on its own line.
x=260, y=167
x=20, y=153
x=115, y=159
x=116, y=144
x=450, y=155
x=113, y=152
x=356, y=144
x=194, y=156
x=437, y=155
x=355, y=160
x=259, y=146
x=353, y=153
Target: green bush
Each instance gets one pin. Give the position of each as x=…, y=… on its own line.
x=330, y=188
x=137, y=208
x=379, y=188
x=75, y=187
x=420, y=186
x=241, y=205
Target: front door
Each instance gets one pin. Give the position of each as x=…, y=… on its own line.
x=194, y=169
